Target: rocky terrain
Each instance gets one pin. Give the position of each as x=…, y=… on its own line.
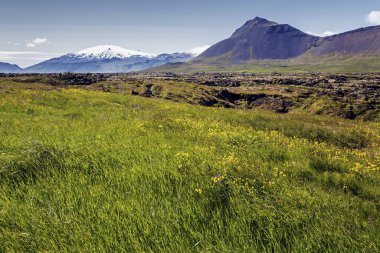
x=351, y=96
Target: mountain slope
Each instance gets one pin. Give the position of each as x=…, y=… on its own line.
x=9, y=68
x=360, y=41
x=106, y=59
x=260, y=39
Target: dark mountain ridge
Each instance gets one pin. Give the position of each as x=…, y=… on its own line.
x=261, y=39
x=9, y=68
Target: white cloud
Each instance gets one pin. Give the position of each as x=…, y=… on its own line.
x=373, y=18
x=39, y=41
x=36, y=42
x=30, y=45
x=198, y=50
x=324, y=34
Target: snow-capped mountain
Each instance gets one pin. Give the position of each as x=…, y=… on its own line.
x=107, y=59
x=110, y=52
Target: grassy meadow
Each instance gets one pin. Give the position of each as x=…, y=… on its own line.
x=304, y=64
x=91, y=171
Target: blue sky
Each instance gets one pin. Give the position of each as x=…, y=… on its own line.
x=34, y=30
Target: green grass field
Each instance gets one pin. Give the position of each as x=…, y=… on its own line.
x=90, y=171
x=328, y=64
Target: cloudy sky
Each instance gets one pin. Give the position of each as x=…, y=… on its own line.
x=35, y=30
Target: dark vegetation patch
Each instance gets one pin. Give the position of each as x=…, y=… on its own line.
x=32, y=162
x=59, y=78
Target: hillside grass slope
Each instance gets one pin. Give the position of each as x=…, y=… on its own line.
x=90, y=171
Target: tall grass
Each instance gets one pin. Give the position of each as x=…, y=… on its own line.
x=84, y=171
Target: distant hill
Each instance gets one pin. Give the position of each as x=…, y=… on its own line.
x=9, y=68
x=263, y=45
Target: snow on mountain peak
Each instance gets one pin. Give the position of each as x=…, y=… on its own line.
x=109, y=52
